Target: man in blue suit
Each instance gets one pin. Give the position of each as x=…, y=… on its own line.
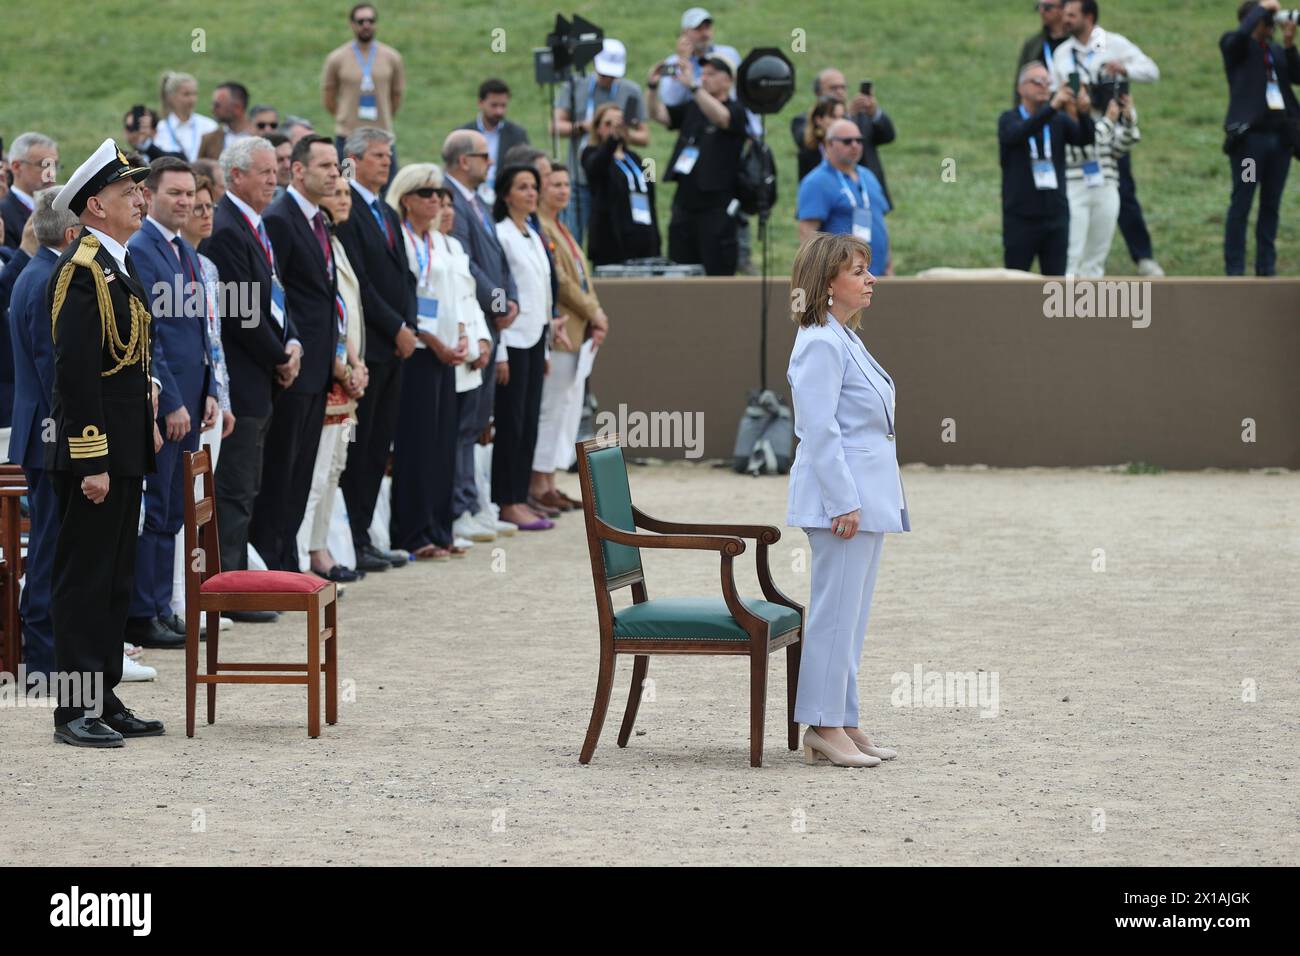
x=170, y=273
x=33, y=348
x=465, y=155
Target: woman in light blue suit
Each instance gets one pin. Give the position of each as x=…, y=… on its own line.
x=845, y=488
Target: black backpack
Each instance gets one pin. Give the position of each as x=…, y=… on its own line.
x=756, y=180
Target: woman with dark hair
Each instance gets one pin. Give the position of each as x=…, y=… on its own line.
x=820, y=118
x=521, y=353
x=622, y=224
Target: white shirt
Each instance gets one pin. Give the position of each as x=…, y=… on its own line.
x=167, y=234
x=1102, y=47
x=115, y=248
x=309, y=208
x=366, y=194
x=174, y=135
x=23, y=198
x=254, y=217
x=532, y=274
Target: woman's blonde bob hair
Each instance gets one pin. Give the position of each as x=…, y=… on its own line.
x=816, y=264
x=409, y=178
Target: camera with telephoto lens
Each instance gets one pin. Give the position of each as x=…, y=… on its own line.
x=1285, y=16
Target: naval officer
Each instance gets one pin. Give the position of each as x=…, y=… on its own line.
x=103, y=444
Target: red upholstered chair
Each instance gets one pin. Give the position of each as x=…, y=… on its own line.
x=13, y=485
x=209, y=590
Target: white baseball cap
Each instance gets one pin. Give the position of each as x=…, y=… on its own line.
x=612, y=58
x=693, y=17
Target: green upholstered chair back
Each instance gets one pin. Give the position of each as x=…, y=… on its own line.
x=612, y=503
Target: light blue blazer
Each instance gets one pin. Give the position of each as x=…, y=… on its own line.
x=844, y=417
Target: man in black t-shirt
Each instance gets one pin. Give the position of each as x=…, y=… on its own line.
x=705, y=163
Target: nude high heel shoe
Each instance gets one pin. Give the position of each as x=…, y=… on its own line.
x=883, y=753
x=815, y=748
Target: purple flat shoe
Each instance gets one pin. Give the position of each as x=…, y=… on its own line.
x=541, y=524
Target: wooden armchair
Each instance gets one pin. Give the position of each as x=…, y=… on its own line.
x=209, y=590
x=728, y=624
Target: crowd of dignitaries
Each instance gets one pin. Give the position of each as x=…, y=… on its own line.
x=387, y=335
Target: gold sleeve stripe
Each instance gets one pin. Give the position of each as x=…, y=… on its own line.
x=90, y=444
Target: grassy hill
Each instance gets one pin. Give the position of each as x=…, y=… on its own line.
x=944, y=72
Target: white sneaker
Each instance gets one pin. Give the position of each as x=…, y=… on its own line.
x=505, y=528
x=226, y=624
x=469, y=526
x=132, y=671
x=460, y=542
x=1149, y=267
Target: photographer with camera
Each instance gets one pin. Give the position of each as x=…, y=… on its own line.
x=1092, y=181
x=138, y=125
x=1031, y=142
x=1260, y=126
x=1101, y=58
x=705, y=162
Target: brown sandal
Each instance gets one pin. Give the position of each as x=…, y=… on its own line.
x=431, y=552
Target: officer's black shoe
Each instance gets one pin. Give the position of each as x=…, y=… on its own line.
x=87, y=732
x=129, y=725
x=253, y=617
x=158, y=636
x=177, y=624
x=370, y=558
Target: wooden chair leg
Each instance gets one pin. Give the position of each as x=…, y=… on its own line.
x=640, y=664
x=313, y=669
x=792, y=654
x=332, y=663
x=214, y=629
x=604, y=684
x=757, y=706
x=192, y=616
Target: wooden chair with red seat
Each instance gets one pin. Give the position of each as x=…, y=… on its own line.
x=209, y=590
x=13, y=486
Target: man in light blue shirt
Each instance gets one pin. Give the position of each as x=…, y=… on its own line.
x=842, y=197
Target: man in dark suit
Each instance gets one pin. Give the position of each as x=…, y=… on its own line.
x=103, y=408
x=169, y=269
x=372, y=238
x=262, y=349
x=33, y=352
x=33, y=162
x=465, y=159
x=297, y=229
x=1031, y=142
x=498, y=132
x=1261, y=104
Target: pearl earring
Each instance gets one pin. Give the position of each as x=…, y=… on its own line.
x=830, y=299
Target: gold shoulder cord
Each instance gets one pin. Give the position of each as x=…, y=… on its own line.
x=136, y=348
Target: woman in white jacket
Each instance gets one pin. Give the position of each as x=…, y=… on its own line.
x=845, y=488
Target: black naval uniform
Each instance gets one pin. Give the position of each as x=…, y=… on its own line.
x=103, y=414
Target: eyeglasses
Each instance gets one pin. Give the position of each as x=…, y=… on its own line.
x=1037, y=80
x=848, y=139
x=484, y=155
x=424, y=192
x=203, y=209
x=265, y=125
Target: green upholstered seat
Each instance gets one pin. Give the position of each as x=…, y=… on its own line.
x=612, y=502
x=672, y=619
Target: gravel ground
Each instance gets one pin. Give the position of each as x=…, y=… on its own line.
x=1145, y=713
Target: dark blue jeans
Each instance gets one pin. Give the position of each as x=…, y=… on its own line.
x=1271, y=152
x=1131, y=224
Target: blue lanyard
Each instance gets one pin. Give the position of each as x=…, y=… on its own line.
x=366, y=82
x=1033, y=143
x=422, y=257
x=862, y=191
x=635, y=184
x=591, y=96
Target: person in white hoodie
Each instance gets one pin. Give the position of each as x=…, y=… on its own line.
x=1098, y=56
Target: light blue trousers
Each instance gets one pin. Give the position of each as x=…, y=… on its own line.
x=843, y=578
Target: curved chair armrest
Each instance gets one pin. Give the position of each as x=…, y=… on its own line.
x=765, y=534
x=728, y=546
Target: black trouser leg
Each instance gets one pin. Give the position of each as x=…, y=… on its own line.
x=518, y=406
x=368, y=452
x=94, y=569
x=288, y=459
x=1131, y=222
x=237, y=480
